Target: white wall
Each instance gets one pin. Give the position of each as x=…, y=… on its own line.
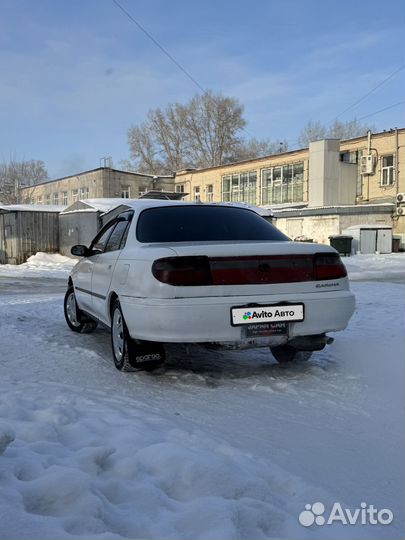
x=319, y=228
x=331, y=182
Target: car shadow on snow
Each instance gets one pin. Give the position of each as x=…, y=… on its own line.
x=198, y=366
x=202, y=366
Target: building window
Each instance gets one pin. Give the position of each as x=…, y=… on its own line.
x=349, y=157
x=283, y=184
x=240, y=187
x=387, y=170
x=48, y=199
x=197, y=193
x=64, y=198
x=75, y=195
x=179, y=188
x=126, y=192
x=39, y=200
x=84, y=193
x=55, y=198
x=143, y=190
x=210, y=192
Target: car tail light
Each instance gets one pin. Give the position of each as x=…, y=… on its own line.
x=328, y=266
x=183, y=271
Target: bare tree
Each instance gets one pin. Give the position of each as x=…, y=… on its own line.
x=16, y=174
x=205, y=132
x=144, y=150
x=254, y=148
x=170, y=130
x=212, y=125
x=160, y=144
x=349, y=129
x=314, y=131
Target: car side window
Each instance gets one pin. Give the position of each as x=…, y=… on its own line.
x=114, y=242
x=101, y=239
x=119, y=235
x=125, y=236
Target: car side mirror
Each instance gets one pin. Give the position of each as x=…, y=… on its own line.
x=80, y=251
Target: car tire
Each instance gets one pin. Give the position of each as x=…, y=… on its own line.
x=75, y=318
x=287, y=353
x=129, y=354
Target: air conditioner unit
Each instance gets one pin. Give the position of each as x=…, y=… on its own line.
x=400, y=210
x=367, y=164
x=400, y=198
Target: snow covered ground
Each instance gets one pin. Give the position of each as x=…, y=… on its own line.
x=214, y=444
x=47, y=265
x=373, y=267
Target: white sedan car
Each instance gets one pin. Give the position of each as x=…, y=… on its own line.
x=177, y=272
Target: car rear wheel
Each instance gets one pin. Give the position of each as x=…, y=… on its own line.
x=130, y=354
x=287, y=353
x=75, y=318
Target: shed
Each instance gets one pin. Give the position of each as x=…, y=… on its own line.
x=370, y=238
x=79, y=222
x=26, y=229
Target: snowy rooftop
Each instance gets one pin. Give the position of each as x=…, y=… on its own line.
x=336, y=207
x=95, y=205
x=31, y=208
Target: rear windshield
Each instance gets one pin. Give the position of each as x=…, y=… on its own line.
x=204, y=224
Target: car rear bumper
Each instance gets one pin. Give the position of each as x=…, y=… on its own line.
x=202, y=320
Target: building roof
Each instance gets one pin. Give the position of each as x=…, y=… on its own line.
x=251, y=160
x=278, y=154
x=384, y=208
x=133, y=173
x=30, y=208
x=368, y=226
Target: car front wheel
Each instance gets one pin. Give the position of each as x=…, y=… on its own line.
x=130, y=354
x=75, y=318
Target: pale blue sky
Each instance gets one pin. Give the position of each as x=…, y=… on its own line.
x=76, y=74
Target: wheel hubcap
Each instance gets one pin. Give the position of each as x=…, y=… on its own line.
x=118, y=335
x=71, y=309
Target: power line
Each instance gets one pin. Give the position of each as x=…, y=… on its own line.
x=155, y=41
x=291, y=145
x=371, y=91
x=197, y=84
x=382, y=110
x=171, y=58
